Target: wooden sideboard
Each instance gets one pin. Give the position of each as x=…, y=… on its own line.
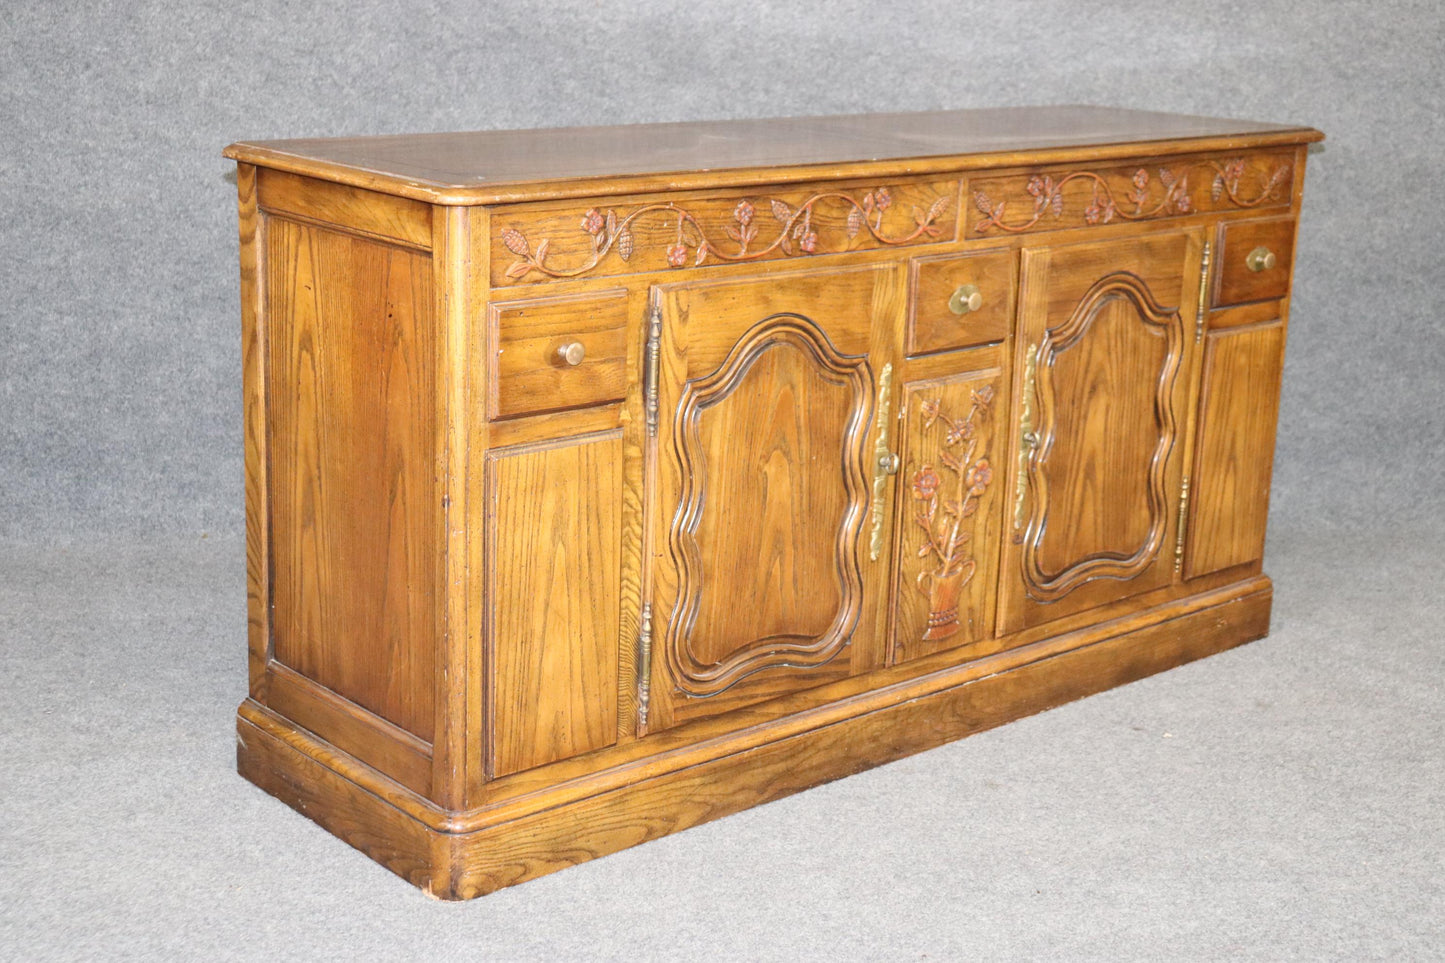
x=601, y=482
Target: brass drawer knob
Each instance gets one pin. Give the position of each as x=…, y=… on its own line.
x=967, y=298
x=889, y=463
x=1260, y=259
x=571, y=353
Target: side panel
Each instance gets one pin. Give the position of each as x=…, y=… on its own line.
x=356, y=551
x=554, y=597
x=1239, y=407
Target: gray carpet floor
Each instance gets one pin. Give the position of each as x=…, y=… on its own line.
x=1280, y=801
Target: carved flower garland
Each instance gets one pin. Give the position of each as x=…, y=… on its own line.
x=940, y=516
x=796, y=233
x=1103, y=207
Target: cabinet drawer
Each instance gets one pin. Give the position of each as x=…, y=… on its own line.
x=1254, y=261
x=558, y=353
x=943, y=286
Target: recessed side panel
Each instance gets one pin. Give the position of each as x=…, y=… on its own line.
x=351, y=429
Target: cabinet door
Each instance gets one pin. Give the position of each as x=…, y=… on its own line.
x=761, y=479
x=1100, y=425
x=948, y=512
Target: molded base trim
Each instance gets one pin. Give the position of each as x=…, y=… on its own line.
x=538, y=835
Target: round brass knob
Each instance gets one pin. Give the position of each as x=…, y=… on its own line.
x=571, y=353
x=1260, y=259
x=967, y=298
x=890, y=463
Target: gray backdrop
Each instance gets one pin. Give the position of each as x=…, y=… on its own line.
x=119, y=345
x=1280, y=801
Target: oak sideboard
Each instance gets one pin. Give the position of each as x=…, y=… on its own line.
x=604, y=481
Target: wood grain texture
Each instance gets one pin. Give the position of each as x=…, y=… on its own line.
x=352, y=432
x=1235, y=283
x=949, y=514
x=464, y=560
x=459, y=271
x=483, y=167
x=1239, y=408
x=1078, y=197
x=528, y=376
x=253, y=403
x=317, y=782
x=535, y=243
x=1103, y=473
x=934, y=327
x=386, y=748
x=463, y=864
x=554, y=522
x=382, y=217
x=764, y=446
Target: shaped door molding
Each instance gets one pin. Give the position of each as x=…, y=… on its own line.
x=1112, y=289
x=813, y=353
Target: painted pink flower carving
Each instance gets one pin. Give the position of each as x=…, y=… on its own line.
x=744, y=213
x=809, y=241
x=592, y=221
x=978, y=477
x=677, y=255
x=925, y=483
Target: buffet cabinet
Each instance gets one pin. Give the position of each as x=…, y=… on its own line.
x=603, y=482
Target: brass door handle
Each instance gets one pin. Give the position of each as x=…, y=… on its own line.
x=1028, y=436
x=1260, y=259
x=885, y=462
x=570, y=353
x=966, y=298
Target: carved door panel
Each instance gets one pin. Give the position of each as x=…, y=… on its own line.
x=760, y=475
x=954, y=438
x=1098, y=441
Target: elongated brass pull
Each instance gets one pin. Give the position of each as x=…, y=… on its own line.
x=1028, y=435
x=1260, y=259
x=885, y=461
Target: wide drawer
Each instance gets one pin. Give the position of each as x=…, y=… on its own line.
x=961, y=300
x=557, y=353
x=1254, y=260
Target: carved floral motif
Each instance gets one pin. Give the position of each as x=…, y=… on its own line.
x=944, y=504
x=794, y=232
x=1148, y=195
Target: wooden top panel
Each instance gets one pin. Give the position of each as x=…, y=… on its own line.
x=509, y=165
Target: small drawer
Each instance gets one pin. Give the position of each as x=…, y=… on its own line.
x=1254, y=260
x=558, y=353
x=961, y=300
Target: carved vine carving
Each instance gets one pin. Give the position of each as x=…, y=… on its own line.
x=795, y=232
x=1127, y=287
x=1171, y=196
x=941, y=513
x=779, y=332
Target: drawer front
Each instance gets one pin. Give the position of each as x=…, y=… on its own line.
x=961, y=300
x=1255, y=260
x=558, y=353
x=534, y=243
x=1056, y=198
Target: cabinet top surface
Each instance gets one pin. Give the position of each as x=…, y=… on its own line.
x=502, y=165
